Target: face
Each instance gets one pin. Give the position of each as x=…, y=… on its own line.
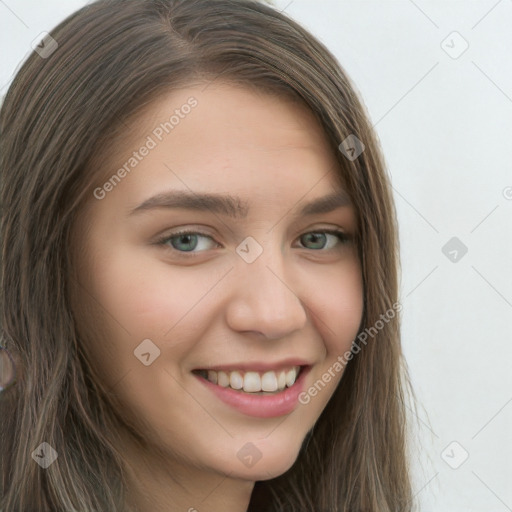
x=257, y=285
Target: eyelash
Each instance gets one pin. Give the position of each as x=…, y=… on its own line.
x=343, y=237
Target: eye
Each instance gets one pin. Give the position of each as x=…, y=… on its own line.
x=185, y=241
x=321, y=237
x=194, y=242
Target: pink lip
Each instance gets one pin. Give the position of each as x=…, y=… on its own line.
x=260, y=406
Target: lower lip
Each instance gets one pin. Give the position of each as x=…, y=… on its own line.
x=261, y=406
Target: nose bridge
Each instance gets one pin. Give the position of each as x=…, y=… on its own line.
x=265, y=298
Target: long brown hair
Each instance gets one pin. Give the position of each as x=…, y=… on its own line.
x=113, y=58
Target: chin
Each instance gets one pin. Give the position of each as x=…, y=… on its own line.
x=277, y=468
x=264, y=461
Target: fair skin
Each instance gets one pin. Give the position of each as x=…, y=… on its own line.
x=202, y=304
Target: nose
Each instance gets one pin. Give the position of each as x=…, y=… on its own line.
x=264, y=298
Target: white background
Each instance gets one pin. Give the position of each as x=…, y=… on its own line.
x=445, y=125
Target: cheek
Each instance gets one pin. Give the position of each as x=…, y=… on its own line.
x=338, y=301
x=337, y=315
x=144, y=294
x=137, y=296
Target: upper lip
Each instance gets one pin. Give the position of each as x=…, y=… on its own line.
x=258, y=365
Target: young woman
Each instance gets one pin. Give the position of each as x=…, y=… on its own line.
x=199, y=271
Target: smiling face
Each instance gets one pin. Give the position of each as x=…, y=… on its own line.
x=257, y=288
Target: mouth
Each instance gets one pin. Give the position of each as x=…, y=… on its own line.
x=270, y=382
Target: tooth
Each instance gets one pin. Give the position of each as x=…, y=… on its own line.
x=222, y=379
x=268, y=381
x=235, y=380
x=252, y=382
x=290, y=377
x=281, y=381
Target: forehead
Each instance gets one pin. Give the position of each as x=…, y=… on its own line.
x=223, y=137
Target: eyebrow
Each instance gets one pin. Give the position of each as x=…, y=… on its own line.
x=232, y=206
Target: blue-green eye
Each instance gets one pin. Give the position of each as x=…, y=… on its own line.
x=188, y=241
x=321, y=238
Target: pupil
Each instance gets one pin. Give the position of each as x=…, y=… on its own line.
x=187, y=240
x=316, y=237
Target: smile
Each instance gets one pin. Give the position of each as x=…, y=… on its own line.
x=264, y=393
x=267, y=382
